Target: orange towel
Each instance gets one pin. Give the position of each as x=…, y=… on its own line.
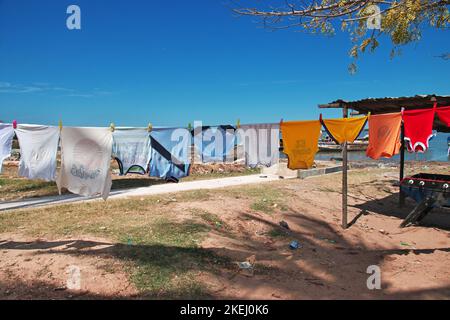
x=344, y=129
x=301, y=142
x=384, y=135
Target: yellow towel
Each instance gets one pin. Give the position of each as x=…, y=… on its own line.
x=344, y=129
x=300, y=142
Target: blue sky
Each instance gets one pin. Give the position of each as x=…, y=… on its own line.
x=173, y=62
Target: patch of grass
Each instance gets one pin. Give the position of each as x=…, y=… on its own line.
x=162, y=271
x=263, y=205
x=277, y=233
x=195, y=195
x=19, y=188
x=165, y=260
x=212, y=219
x=266, y=198
x=218, y=175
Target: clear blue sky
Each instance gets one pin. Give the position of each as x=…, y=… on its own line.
x=173, y=62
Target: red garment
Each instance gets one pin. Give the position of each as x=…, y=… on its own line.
x=418, y=128
x=444, y=115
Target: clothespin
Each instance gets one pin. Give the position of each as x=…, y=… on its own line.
x=150, y=127
x=321, y=118
x=60, y=125
x=189, y=126
x=113, y=127
x=238, y=124
x=14, y=123
x=281, y=121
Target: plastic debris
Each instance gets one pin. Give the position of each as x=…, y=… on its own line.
x=245, y=265
x=294, y=245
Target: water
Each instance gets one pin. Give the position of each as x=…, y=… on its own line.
x=437, y=152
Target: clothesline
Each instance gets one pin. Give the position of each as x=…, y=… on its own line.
x=164, y=152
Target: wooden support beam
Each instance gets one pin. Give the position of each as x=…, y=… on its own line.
x=402, y=164
x=344, y=177
x=330, y=106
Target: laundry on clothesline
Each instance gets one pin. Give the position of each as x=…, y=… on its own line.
x=86, y=161
x=300, y=142
x=418, y=126
x=260, y=143
x=215, y=144
x=132, y=150
x=384, y=135
x=170, y=154
x=38, y=151
x=344, y=129
x=6, y=140
x=166, y=152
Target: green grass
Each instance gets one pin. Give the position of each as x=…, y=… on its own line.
x=265, y=198
x=212, y=219
x=164, y=259
x=19, y=188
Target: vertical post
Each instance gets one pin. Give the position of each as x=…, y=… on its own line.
x=402, y=164
x=344, y=177
x=192, y=146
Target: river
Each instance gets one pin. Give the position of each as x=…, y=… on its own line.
x=438, y=151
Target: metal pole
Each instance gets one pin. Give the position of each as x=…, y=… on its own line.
x=344, y=177
x=402, y=164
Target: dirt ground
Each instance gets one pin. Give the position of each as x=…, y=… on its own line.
x=125, y=251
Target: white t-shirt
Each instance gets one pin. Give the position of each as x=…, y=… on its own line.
x=260, y=143
x=86, y=161
x=38, y=151
x=6, y=139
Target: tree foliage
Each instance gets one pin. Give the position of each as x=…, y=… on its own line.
x=402, y=21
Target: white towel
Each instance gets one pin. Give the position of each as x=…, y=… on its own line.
x=260, y=143
x=6, y=139
x=86, y=161
x=38, y=151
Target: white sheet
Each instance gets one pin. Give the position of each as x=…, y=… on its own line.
x=86, y=161
x=6, y=139
x=38, y=151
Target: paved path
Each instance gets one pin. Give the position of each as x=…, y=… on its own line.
x=145, y=191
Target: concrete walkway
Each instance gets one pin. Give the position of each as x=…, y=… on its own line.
x=145, y=191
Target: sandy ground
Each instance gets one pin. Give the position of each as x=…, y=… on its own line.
x=34, y=269
x=331, y=263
